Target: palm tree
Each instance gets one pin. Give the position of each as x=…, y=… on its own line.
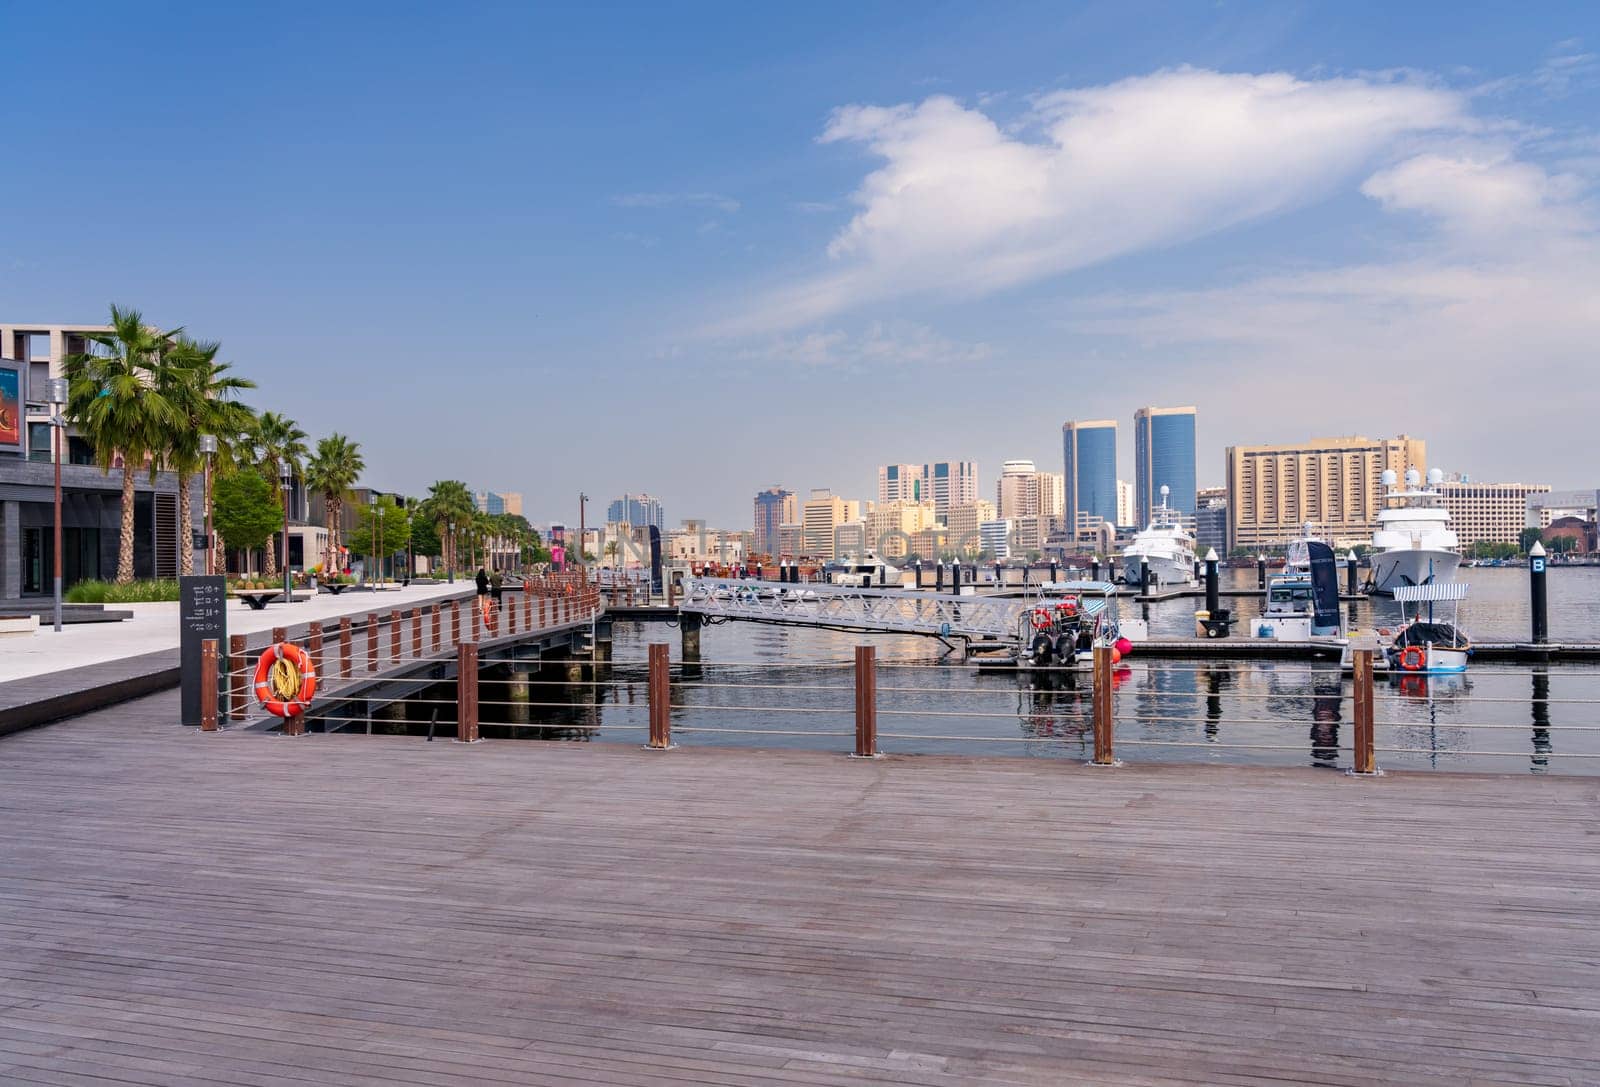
x=202, y=390
x=449, y=507
x=117, y=403
x=332, y=471
x=278, y=441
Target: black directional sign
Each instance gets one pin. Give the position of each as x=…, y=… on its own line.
x=202, y=614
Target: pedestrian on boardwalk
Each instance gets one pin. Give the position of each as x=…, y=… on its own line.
x=483, y=593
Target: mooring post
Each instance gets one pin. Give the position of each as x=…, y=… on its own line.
x=1144, y=575
x=1261, y=571
x=690, y=627
x=372, y=641
x=345, y=637
x=1213, y=593
x=1094, y=567
x=208, y=685
x=1365, y=757
x=1104, y=755
x=955, y=578
x=1538, y=600
x=659, y=693
x=866, y=701
x=1053, y=568
x=238, y=683
x=467, y=692
x=1352, y=566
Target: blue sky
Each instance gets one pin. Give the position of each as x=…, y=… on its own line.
x=698, y=250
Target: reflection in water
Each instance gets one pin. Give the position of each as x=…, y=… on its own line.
x=1218, y=679
x=1327, y=706
x=1054, y=703
x=1541, y=720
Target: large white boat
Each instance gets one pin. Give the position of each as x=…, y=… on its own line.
x=1413, y=543
x=863, y=571
x=1166, y=547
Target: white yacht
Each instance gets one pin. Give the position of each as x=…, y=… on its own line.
x=1413, y=543
x=863, y=571
x=1165, y=546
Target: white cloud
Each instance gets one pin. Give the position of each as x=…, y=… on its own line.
x=716, y=201
x=962, y=207
x=878, y=346
x=1481, y=191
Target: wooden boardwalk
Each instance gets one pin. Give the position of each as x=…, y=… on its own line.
x=181, y=909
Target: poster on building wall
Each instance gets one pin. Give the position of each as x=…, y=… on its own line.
x=12, y=398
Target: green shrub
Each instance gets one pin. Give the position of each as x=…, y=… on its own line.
x=136, y=592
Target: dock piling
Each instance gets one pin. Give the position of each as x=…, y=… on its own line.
x=659, y=693
x=1261, y=571
x=1351, y=569
x=866, y=702
x=1538, y=598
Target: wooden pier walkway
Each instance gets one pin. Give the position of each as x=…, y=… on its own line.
x=179, y=909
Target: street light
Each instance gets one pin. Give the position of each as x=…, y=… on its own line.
x=208, y=447
x=450, y=546
x=57, y=390
x=285, y=473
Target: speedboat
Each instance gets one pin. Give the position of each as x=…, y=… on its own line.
x=1429, y=644
x=1068, y=620
x=865, y=571
x=1413, y=543
x=1165, y=547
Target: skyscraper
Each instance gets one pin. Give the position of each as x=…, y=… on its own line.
x=950, y=483
x=638, y=510
x=1163, y=442
x=1089, y=460
x=774, y=507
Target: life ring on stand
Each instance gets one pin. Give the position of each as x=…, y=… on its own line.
x=1413, y=658
x=285, y=680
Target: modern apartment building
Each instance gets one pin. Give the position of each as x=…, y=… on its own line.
x=950, y=483
x=1164, y=456
x=903, y=483
x=823, y=512
x=1333, y=483
x=1489, y=512
x=1211, y=521
x=496, y=503
x=962, y=522
x=1024, y=491
x=638, y=510
x=995, y=537
x=1089, y=470
x=1125, y=509
x=774, y=506
x=892, y=526
x=30, y=355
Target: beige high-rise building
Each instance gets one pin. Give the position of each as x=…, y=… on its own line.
x=1125, y=504
x=1488, y=512
x=823, y=512
x=1333, y=483
x=892, y=526
x=903, y=483
x=962, y=524
x=1024, y=491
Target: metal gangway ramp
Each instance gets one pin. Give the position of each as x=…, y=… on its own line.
x=869, y=610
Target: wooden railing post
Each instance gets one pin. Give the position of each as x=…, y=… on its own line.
x=477, y=620
x=238, y=677
x=436, y=622
x=396, y=626
x=866, y=701
x=1364, y=760
x=314, y=645
x=511, y=617
x=208, y=685
x=659, y=692
x=372, y=641
x=1104, y=754
x=279, y=635
x=416, y=632
x=455, y=622
x=527, y=605
x=467, y=692
x=344, y=647
x=542, y=621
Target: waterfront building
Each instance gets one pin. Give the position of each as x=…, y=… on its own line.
x=823, y=512
x=892, y=525
x=995, y=537
x=850, y=538
x=496, y=503
x=903, y=483
x=30, y=355
x=1089, y=470
x=698, y=543
x=1334, y=483
x=1546, y=508
x=1125, y=510
x=950, y=483
x=931, y=544
x=790, y=541
x=1489, y=512
x=774, y=506
x=962, y=525
x=1164, y=456
x=1032, y=531
x=1211, y=520
x=1016, y=492
x=637, y=509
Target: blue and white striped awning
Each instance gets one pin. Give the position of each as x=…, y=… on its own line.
x=1097, y=588
x=1436, y=590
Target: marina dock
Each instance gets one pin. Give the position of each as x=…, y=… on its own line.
x=186, y=909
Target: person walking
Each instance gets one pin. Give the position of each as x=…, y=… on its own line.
x=483, y=595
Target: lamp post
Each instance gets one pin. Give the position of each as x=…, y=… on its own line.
x=208, y=448
x=380, y=541
x=285, y=473
x=57, y=388
x=450, y=546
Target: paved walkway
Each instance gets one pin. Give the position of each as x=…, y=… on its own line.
x=178, y=909
x=154, y=627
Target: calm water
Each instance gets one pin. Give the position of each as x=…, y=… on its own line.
x=793, y=687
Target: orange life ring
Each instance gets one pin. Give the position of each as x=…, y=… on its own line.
x=1042, y=619
x=285, y=680
x=1413, y=658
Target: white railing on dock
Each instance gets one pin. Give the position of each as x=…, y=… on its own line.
x=869, y=610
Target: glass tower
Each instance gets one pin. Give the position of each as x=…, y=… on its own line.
x=1163, y=440
x=1089, y=463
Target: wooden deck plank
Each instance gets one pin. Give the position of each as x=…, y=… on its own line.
x=246, y=909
